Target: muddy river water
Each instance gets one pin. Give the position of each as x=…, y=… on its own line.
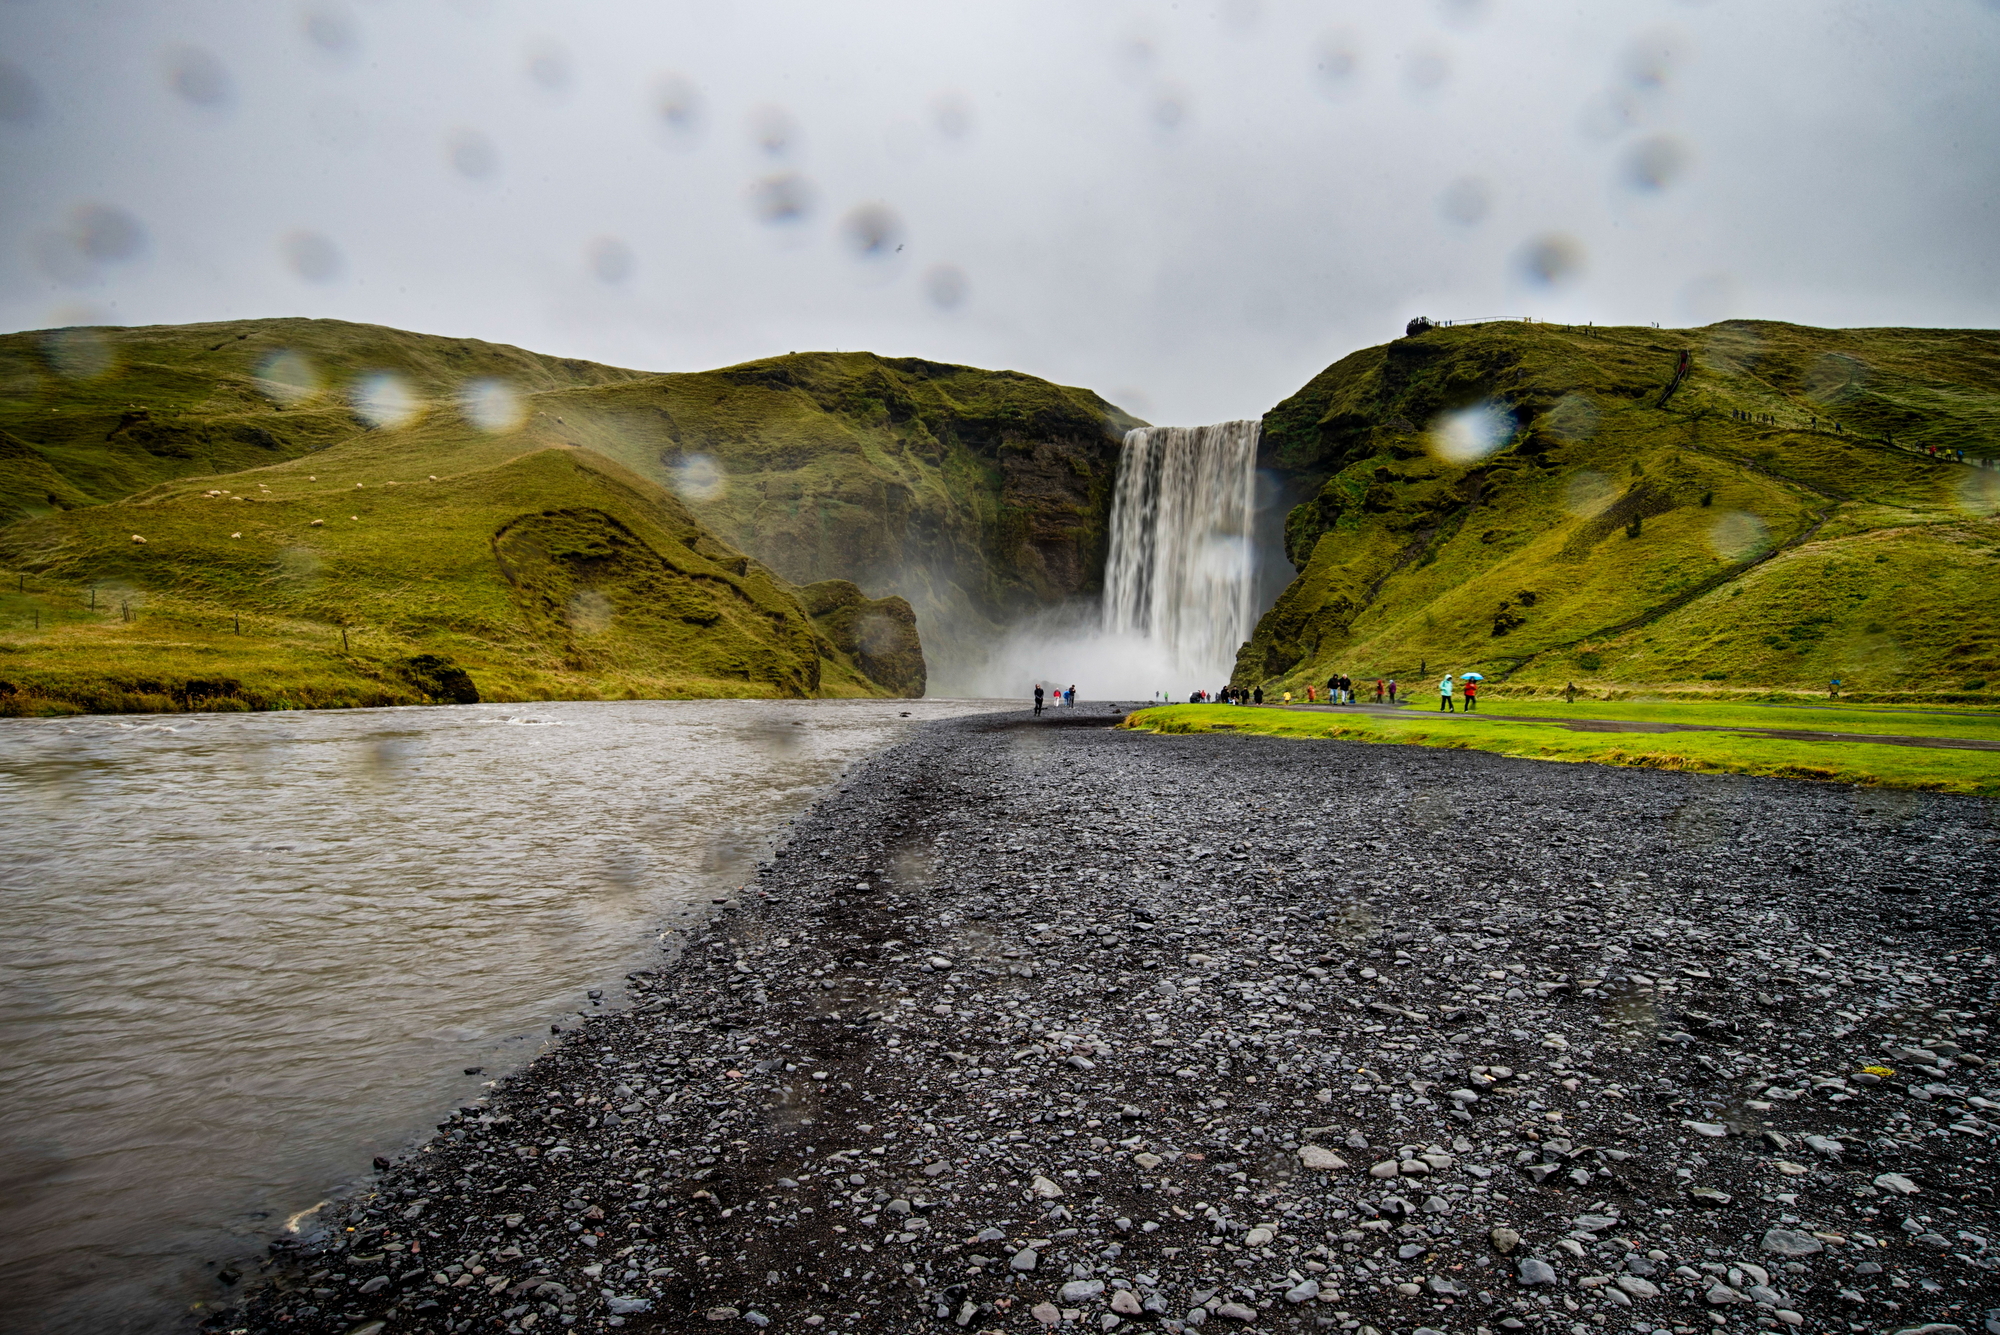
x=242, y=954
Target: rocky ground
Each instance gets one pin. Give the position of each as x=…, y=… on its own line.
x=1037, y=1023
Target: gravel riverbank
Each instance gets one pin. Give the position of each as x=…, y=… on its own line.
x=1040, y=1023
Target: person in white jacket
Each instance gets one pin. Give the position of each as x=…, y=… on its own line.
x=1444, y=696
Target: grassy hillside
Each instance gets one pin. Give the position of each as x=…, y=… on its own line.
x=1515, y=499
x=399, y=563
x=977, y=496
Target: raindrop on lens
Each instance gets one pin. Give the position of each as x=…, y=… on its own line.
x=333, y=30
x=20, y=98
x=945, y=285
x=785, y=198
x=199, y=77
x=774, y=131
x=549, y=67
x=1169, y=109
x=287, y=378
x=872, y=232
x=1587, y=493
x=106, y=234
x=611, y=260
x=1654, y=163
x=1738, y=535
x=472, y=155
x=1337, y=62
x=1427, y=69
x=677, y=102
x=491, y=405
x=1551, y=259
x=386, y=400
x=312, y=257
x=79, y=354
x=1471, y=433
x=697, y=477
x=1466, y=201
x=1651, y=59
x=951, y=113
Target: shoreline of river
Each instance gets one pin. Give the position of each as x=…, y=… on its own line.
x=1032, y=1023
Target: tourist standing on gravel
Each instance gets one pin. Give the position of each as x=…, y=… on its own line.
x=1444, y=696
x=1038, y=701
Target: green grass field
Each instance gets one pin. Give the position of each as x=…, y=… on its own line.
x=1830, y=761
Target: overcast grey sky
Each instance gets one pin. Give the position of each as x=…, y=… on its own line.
x=1190, y=208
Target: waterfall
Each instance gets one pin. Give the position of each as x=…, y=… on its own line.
x=1180, y=571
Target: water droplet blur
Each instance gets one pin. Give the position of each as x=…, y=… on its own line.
x=1652, y=59
x=697, y=477
x=1738, y=536
x=1835, y=378
x=1979, y=491
x=1471, y=434
x=589, y=612
x=945, y=285
x=1242, y=15
x=20, y=96
x=611, y=260
x=1169, y=108
x=1587, y=492
x=312, y=257
x=200, y=78
x=872, y=232
x=549, y=67
x=472, y=154
x=1461, y=13
x=491, y=405
x=951, y=114
x=626, y=864
x=300, y=564
x=1655, y=162
x=1552, y=259
x=79, y=354
x=287, y=378
x=1337, y=62
x=106, y=234
x=386, y=400
x=774, y=131
x=785, y=198
x=1574, y=418
x=1426, y=69
x=333, y=30
x=1466, y=201
x=677, y=102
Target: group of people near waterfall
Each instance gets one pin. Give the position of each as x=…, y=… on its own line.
x=1064, y=699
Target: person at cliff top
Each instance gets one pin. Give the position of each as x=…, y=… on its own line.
x=1038, y=701
x=1444, y=695
x=1471, y=696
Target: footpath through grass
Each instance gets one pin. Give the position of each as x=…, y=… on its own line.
x=1834, y=760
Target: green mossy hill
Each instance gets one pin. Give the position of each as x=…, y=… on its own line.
x=90, y=415
x=1776, y=524
x=550, y=573
x=977, y=496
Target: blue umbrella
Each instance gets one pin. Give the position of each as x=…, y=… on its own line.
x=1470, y=676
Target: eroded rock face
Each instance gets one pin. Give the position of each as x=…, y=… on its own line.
x=879, y=634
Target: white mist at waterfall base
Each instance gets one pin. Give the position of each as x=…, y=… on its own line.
x=1179, y=579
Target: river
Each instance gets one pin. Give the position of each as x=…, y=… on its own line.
x=243, y=954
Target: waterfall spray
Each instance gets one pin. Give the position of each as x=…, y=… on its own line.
x=1180, y=568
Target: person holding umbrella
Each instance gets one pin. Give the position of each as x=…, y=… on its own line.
x=1471, y=680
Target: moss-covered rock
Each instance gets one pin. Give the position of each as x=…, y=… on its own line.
x=879, y=634
x=1778, y=521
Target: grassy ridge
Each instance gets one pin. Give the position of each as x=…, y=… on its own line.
x=976, y=496
x=1830, y=761
x=1607, y=539
x=541, y=569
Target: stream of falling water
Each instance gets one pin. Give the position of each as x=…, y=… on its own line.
x=1180, y=572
